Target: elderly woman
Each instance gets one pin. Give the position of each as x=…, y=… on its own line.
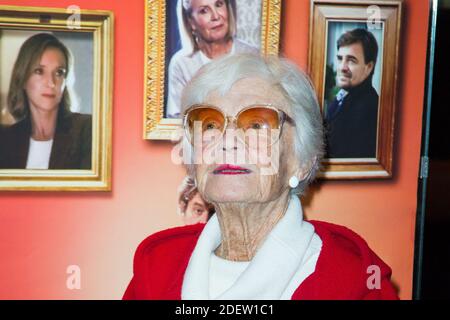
x=191, y=206
x=211, y=28
x=257, y=245
x=46, y=135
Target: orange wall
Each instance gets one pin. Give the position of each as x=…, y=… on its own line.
x=43, y=233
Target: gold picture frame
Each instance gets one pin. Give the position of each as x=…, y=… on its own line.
x=329, y=20
x=155, y=125
x=98, y=28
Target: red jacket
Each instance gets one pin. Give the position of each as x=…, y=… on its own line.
x=341, y=270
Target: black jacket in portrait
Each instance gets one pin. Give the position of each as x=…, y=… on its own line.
x=352, y=132
x=71, y=149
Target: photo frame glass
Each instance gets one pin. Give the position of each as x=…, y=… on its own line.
x=345, y=72
x=175, y=50
x=353, y=63
x=80, y=45
x=55, y=99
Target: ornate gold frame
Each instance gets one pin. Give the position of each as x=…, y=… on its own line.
x=101, y=24
x=323, y=11
x=155, y=126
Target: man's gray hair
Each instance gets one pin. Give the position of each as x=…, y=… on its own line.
x=222, y=73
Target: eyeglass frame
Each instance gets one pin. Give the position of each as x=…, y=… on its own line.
x=282, y=117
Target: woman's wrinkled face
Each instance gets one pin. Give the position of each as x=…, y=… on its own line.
x=227, y=176
x=209, y=19
x=47, y=81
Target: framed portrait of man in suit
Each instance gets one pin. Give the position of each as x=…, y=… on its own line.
x=55, y=99
x=353, y=62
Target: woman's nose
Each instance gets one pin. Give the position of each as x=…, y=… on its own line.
x=51, y=81
x=232, y=137
x=214, y=14
x=229, y=140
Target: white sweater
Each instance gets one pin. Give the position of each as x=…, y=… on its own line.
x=288, y=255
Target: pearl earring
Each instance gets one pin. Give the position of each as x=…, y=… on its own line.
x=195, y=36
x=293, y=182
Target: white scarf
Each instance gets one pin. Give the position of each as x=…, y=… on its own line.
x=287, y=256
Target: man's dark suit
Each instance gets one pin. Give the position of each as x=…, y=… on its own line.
x=352, y=131
x=72, y=143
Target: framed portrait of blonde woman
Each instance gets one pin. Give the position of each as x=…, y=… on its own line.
x=353, y=62
x=55, y=99
x=183, y=35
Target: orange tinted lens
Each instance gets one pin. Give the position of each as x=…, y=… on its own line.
x=205, y=118
x=258, y=118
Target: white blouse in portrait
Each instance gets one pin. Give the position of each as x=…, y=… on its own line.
x=39, y=154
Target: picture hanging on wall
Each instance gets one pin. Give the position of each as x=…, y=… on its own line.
x=353, y=62
x=177, y=38
x=55, y=99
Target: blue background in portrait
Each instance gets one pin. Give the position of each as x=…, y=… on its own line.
x=81, y=46
x=173, y=42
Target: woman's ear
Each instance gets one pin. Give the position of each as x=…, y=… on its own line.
x=192, y=24
x=182, y=207
x=305, y=171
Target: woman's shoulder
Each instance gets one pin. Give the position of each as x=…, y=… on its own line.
x=174, y=239
x=342, y=240
x=345, y=250
x=244, y=47
x=182, y=57
x=346, y=267
x=81, y=117
x=21, y=126
x=75, y=122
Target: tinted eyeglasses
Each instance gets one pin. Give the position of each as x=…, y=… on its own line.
x=262, y=120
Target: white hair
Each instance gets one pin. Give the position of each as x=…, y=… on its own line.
x=222, y=73
x=186, y=4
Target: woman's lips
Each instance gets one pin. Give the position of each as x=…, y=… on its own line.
x=229, y=169
x=217, y=27
x=48, y=95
